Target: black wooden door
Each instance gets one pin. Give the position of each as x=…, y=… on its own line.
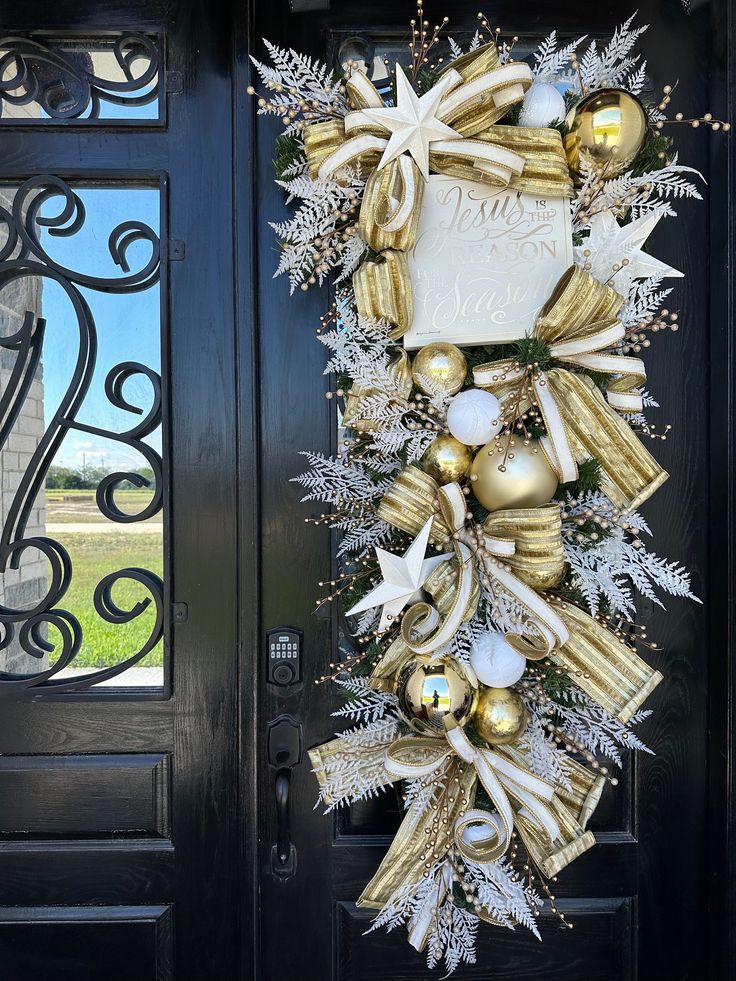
x=646, y=902
x=118, y=764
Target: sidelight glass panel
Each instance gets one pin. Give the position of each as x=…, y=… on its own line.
x=81, y=553
x=46, y=79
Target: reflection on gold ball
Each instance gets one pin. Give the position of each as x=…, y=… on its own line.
x=444, y=364
x=500, y=716
x=609, y=127
x=527, y=482
x=446, y=459
x=427, y=691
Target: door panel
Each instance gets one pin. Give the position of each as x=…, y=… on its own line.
x=620, y=894
x=118, y=825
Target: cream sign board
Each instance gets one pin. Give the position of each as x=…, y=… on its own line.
x=485, y=262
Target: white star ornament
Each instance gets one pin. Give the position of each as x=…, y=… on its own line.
x=610, y=243
x=413, y=123
x=403, y=575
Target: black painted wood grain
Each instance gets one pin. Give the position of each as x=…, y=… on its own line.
x=100, y=943
x=77, y=797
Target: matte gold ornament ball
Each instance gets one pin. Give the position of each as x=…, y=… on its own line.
x=447, y=459
x=500, y=716
x=528, y=480
x=429, y=690
x=443, y=364
x=609, y=127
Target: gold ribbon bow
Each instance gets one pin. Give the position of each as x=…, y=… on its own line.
x=410, y=757
x=476, y=91
x=424, y=631
x=579, y=324
x=410, y=853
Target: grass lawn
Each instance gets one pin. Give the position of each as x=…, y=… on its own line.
x=94, y=556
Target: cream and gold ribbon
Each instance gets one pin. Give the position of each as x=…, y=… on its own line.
x=546, y=629
x=463, y=108
x=579, y=324
x=501, y=778
x=413, y=498
x=476, y=92
x=539, y=555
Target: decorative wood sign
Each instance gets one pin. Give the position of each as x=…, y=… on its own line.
x=485, y=261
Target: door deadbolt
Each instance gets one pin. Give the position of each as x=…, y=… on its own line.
x=284, y=651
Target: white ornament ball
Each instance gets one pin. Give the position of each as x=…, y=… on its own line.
x=473, y=417
x=542, y=105
x=495, y=661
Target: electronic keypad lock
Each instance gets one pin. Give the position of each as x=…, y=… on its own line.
x=284, y=648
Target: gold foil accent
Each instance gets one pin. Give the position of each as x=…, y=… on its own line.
x=383, y=291
x=606, y=669
x=403, y=862
x=322, y=757
x=545, y=167
x=385, y=192
x=630, y=474
x=568, y=808
x=585, y=792
x=410, y=501
x=322, y=139
x=442, y=586
x=400, y=372
x=539, y=557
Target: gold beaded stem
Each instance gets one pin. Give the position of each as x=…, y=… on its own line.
x=707, y=118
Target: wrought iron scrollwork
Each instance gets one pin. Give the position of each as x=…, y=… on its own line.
x=24, y=255
x=63, y=83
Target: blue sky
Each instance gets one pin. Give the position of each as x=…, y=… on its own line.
x=128, y=324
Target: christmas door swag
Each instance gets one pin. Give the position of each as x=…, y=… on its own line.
x=484, y=221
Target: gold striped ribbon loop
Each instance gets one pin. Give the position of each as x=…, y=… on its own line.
x=480, y=836
x=579, y=323
x=501, y=777
x=411, y=756
x=423, y=629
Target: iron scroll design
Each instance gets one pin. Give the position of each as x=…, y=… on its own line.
x=59, y=76
x=23, y=255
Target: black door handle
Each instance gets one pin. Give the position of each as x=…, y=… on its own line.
x=284, y=753
x=283, y=835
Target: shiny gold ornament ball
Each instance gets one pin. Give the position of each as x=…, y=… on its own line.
x=500, y=716
x=609, y=127
x=446, y=459
x=444, y=365
x=528, y=480
x=429, y=690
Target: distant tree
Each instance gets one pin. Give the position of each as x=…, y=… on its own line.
x=74, y=478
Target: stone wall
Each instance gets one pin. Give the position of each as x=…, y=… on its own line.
x=23, y=587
